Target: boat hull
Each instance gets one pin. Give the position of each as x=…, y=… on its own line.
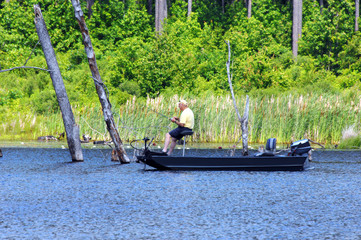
x=250, y=163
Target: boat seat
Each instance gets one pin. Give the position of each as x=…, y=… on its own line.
x=271, y=145
x=270, y=149
x=185, y=133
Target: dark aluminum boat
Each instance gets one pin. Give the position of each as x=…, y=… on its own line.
x=295, y=160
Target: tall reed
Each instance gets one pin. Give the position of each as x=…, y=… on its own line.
x=286, y=117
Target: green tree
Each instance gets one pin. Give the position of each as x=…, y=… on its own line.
x=326, y=33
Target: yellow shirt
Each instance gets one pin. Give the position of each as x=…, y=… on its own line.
x=187, y=118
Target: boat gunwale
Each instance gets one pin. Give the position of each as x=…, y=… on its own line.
x=158, y=163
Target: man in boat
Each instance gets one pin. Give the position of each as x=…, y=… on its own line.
x=185, y=122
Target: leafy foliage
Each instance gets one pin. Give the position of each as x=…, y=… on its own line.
x=324, y=34
x=189, y=57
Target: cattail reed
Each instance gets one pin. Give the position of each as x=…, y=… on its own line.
x=288, y=117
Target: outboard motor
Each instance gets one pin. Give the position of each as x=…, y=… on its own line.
x=300, y=147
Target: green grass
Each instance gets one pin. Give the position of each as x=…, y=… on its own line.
x=350, y=143
x=287, y=117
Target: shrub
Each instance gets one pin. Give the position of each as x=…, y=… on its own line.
x=131, y=87
x=45, y=101
x=350, y=143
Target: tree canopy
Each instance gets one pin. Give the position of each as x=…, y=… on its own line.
x=189, y=55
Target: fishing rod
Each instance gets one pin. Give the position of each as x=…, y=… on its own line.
x=159, y=113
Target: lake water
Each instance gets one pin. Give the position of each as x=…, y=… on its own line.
x=45, y=196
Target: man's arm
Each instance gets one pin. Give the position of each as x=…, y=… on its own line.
x=176, y=121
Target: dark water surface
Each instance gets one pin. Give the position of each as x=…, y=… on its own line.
x=44, y=196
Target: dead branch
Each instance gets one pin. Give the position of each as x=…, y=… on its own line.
x=230, y=81
x=94, y=129
x=316, y=143
x=243, y=120
x=71, y=128
x=31, y=53
x=103, y=98
x=10, y=69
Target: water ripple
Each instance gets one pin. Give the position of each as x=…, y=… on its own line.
x=43, y=196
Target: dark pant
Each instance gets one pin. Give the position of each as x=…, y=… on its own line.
x=176, y=133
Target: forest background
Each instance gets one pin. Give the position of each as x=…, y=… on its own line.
x=314, y=95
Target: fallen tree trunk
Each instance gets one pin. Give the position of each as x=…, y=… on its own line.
x=243, y=120
x=106, y=106
x=71, y=128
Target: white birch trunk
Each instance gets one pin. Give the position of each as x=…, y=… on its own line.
x=71, y=128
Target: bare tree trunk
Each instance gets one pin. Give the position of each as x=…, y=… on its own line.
x=357, y=14
x=321, y=6
x=245, y=128
x=296, y=25
x=71, y=128
x=189, y=8
x=243, y=120
x=222, y=6
x=164, y=13
x=89, y=4
x=249, y=8
x=156, y=15
x=161, y=13
x=150, y=7
x=106, y=106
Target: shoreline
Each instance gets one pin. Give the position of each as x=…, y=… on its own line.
x=63, y=144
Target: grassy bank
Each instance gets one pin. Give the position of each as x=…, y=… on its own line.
x=288, y=117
